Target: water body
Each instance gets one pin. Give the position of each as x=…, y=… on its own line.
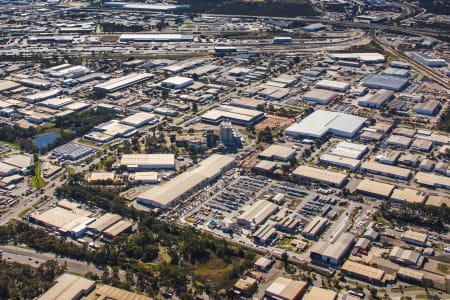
x=41, y=141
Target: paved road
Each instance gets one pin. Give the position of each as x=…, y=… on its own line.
x=22, y=256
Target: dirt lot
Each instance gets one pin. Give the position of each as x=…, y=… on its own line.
x=274, y=122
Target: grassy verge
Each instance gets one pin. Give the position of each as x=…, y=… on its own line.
x=15, y=146
x=36, y=180
x=24, y=212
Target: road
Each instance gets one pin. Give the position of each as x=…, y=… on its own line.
x=31, y=257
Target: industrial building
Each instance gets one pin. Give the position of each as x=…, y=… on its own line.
x=56, y=103
x=117, y=229
x=148, y=161
x=154, y=6
x=422, y=145
x=70, y=222
x=363, y=272
x=104, y=222
x=375, y=188
x=438, y=200
x=432, y=180
x=6, y=85
x=40, y=96
x=69, y=286
x=20, y=161
x=349, y=150
x=286, y=289
x=340, y=162
x=315, y=227
x=67, y=71
x=317, y=293
x=257, y=213
x=177, y=82
x=408, y=195
x=428, y=60
x=154, y=37
x=333, y=85
x=236, y=115
x=72, y=151
x=7, y=170
x=367, y=58
x=35, y=83
x=320, y=96
x=264, y=234
x=248, y=103
x=393, y=83
x=321, y=122
x=406, y=257
x=123, y=82
x=140, y=119
x=377, y=100
x=145, y=177
x=399, y=141
x=396, y=72
x=314, y=27
x=321, y=176
x=163, y=196
x=415, y=238
x=429, y=108
x=277, y=152
x=386, y=170
x=332, y=253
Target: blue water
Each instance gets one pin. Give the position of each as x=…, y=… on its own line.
x=42, y=141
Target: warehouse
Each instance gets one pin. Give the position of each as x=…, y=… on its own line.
x=422, y=145
x=71, y=151
x=145, y=177
x=377, y=100
x=66, y=204
x=399, y=141
x=321, y=176
x=282, y=40
x=339, y=161
x=148, y=161
x=248, y=103
x=40, y=96
x=375, y=188
x=432, y=180
x=123, y=82
x=110, y=130
x=408, y=195
x=321, y=122
x=393, y=83
x=57, y=103
x=363, y=272
x=429, y=108
x=140, y=119
x=164, y=195
x=286, y=289
x=67, y=71
x=203, y=70
x=77, y=106
x=409, y=132
x=72, y=222
x=177, y=82
x=104, y=222
x=7, y=170
x=154, y=37
x=367, y=58
x=349, y=150
x=396, y=72
x=317, y=293
x=34, y=83
x=117, y=229
x=386, y=170
x=257, y=213
x=332, y=253
x=406, y=257
x=265, y=234
x=153, y=6
x=315, y=227
x=184, y=65
x=428, y=60
x=319, y=96
x=236, y=115
x=6, y=85
x=69, y=286
x=438, y=200
x=266, y=166
x=20, y=161
x=415, y=238
x=333, y=85
x=277, y=152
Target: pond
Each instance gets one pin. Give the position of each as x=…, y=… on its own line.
x=41, y=141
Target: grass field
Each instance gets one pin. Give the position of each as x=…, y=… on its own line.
x=36, y=180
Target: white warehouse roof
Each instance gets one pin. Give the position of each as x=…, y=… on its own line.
x=321, y=122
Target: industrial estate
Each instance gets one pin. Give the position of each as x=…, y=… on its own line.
x=224, y=150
